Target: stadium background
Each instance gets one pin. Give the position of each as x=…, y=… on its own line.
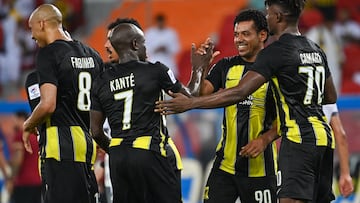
x=197, y=132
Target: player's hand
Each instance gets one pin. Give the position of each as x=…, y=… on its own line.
x=346, y=185
x=178, y=104
x=202, y=57
x=253, y=148
x=26, y=136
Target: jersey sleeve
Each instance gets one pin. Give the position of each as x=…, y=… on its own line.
x=32, y=89
x=167, y=79
x=46, y=66
x=266, y=62
x=216, y=74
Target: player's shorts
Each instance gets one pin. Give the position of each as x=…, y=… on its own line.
x=305, y=172
x=140, y=175
x=68, y=181
x=226, y=188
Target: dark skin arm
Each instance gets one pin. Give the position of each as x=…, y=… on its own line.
x=180, y=103
x=330, y=95
x=97, y=120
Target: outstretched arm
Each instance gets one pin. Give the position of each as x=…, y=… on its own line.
x=180, y=103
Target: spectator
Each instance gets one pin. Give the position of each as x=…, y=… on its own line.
x=162, y=43
x=324, y=36
x=4, y=167
x=10, y=54
x=346, y=29
x=27, y=182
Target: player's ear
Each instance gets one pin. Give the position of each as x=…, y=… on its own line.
x=134, y=44
x=263, y=34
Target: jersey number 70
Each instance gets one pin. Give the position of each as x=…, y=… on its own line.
x=315, y=76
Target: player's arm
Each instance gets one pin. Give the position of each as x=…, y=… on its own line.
x=97, y=120
x=43, y=110
x=258, y=145
x=180, y=103
x=201, y=59
x=330, y=95
x=345, y=181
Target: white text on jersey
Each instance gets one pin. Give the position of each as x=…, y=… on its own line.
x=122, y=83
x=83, y=62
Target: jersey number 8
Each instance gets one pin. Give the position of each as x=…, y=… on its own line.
x=83, y=100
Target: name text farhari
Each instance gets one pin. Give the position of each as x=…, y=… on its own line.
x=82, y=62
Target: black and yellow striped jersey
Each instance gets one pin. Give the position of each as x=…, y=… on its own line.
x=71, y=66
x=297, y=69
x=243, y=122
x=126, y=94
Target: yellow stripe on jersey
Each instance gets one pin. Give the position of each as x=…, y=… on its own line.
x=115, y=142
x=142, y=142
x=320, y=132
x=274, y=150
x=256, y=121
x=79, y=143
x=179, y=164
x=52, y=147
x=228, y=164
x=219, y=145
x=93, y=157
x=293, y=132
x=162, y=147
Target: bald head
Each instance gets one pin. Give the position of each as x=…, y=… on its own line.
x=126, y=38
x=47, y=12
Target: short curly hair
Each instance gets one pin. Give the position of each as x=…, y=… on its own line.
x=124, y=20
x=293, y=8
x=255, y=15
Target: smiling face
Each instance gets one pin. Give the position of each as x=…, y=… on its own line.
x=247, y=40
x=36, y=27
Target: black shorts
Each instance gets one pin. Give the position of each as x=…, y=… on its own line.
x=305, y=172
x=226, y=188
x=140, y=175
x=68, y=181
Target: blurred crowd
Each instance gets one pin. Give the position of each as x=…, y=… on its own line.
x=334, y=25
x=17, y=49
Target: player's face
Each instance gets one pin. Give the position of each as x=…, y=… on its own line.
x=37, y=32
x=142, y=51
x=141, y=45
x=112, y=55
x=247, y=41
x=271, y=17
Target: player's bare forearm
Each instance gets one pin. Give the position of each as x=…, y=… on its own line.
x=345, y=181
x=180, y=103
x=102, y=140
x=97, y=120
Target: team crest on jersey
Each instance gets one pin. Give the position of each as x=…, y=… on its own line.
x=34, y=91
